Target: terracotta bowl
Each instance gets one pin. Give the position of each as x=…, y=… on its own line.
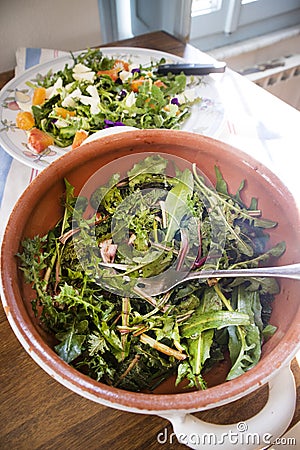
x=39, y=208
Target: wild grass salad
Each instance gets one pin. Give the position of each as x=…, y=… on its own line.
x=136, y=341
x=96, y=92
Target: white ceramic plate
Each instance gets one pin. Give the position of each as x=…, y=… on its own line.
x=206, y=118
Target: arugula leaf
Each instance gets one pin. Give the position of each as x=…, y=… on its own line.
x=107, y=197
x=212, y=320
x=199, y=347
x=268, y=331
x=41, y=112
x=176, y=202
x=111, y=337
x=145, y=170
x=71, y=347
x=275, y=251
x=245, y=343
x=199, y=350
x=221, y=185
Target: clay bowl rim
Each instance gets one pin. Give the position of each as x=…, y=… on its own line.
x=99, y=392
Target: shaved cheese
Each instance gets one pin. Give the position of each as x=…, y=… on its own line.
x=130, y=100
x=55, y=89
x=69, y=101
x=93, y=101
x=82, y=72
x=124, y=75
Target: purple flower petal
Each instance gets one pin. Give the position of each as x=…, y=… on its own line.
x=123, y=93
x=137, y=70
x=110, y=123
x=175, y=101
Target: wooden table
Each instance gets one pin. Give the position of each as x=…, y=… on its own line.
x=38, y=413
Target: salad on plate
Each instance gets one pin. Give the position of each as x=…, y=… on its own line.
x=96, y=92
x=57, y=103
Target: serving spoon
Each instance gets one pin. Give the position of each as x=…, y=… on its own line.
x=153, y=287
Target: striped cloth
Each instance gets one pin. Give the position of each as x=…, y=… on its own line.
x=15, y=176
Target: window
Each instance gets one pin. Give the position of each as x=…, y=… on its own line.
x=200, y=7
x=216, y=23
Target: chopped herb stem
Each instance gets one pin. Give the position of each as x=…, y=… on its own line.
x=145, y=339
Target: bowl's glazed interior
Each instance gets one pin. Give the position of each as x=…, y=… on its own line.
x=39, y=209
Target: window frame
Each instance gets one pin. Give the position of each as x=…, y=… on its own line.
x=249, y=20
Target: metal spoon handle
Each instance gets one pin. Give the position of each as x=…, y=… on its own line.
x=154, y=287
x=288, y=271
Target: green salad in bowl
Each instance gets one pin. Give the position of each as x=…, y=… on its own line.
x=157, y=214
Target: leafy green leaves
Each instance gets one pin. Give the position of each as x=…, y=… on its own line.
x=245, y=342
x=213, y=320
x=177, y=201
x=135, y=343
x=144, y=171
x=109, y=96
x=71, y=341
